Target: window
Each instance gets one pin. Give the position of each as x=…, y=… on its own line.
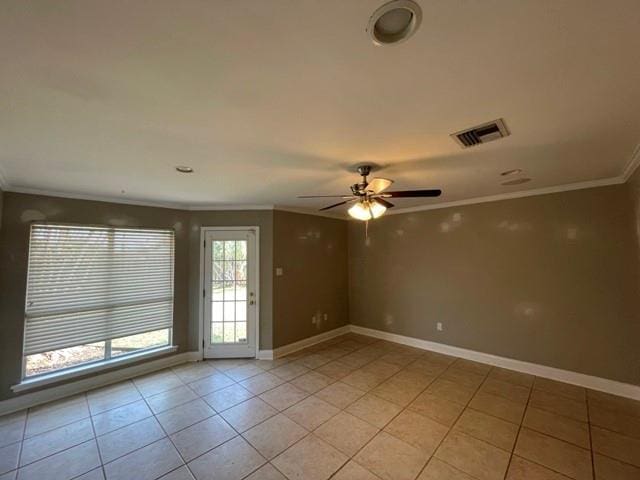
x=96, y=293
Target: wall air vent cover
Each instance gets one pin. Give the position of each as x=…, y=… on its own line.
x=484, y=133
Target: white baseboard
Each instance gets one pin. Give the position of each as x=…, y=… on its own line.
x=588, y=381
x=307, y=342
x=94, y=381
x=265, y=355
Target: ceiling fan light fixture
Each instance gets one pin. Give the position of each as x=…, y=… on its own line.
x=367, y=210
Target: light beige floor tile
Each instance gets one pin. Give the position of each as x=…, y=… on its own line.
x=381, y=369
x=119, y=395
x=391, y=458
x=471, y=366
x=120, y=417
x=170, y=398
x=560, y=405
x=147, y=463
x=375, y=410
x=96, y=474
x=557, y=426
x=266, y=472
x=614, y=445
x=209, y=384
x=310, y=459
x=451, y=391
x=72, y=402
x=312, y=382
x=521, y=469
x=157, y=382
x=340, y=394
x=20, y=416
x=439, y=470
x=357, y=359
x=563, y=457
x=11, y=433
x=335, y=369
x=274, y=435
x=498, y=407
x=227, y=397
x=462, y=377
x=311, y=412
x=473, y=456
x=289, y=371
x=353, y=471
x=512, y=376
x=615, y=421
x=493, y=430
x=9, y=457
x=181, y=473
x=437, y=408
x=559, y=388
x=54, y=441
x=607, y=401
x=184, y=415
x=243, y=372
x=247, y=414
x=202, y=437
x=362, y=380
x=284, y=396
x=418, y=431
x=414, y=377
x=64, y=465
x=120, y=442
x=45, y=419
x=225, y=364
x=510, y=391
x=268, y=365
x=233, y=460
x=313, y=360
x=439, y=358
x=192, y=371
x=346, y=433
x=398, y=391
x=426, y=367
x=611, y=469
x=261, y=383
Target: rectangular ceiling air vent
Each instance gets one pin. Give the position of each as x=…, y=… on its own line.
x=484, y=133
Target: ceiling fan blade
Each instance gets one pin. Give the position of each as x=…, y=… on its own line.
x=382, y=201
x=413, y=193
x=377, y=185
x=334, y=205
x=325, y=196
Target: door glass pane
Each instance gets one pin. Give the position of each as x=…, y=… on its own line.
x=229, y=292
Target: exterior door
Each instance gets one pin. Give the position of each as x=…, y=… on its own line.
x=230, y=294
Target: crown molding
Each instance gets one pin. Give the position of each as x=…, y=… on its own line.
x=218, y=206
x=633, y=164
x=315, y=213
x=508, y=196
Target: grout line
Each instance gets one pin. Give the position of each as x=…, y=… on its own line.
x=593, y=460
x=515, y=441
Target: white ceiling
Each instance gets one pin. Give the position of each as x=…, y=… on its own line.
x=267, y=100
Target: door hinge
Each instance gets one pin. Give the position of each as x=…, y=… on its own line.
x=203, y=343
x=204, y=244
x=204, y=293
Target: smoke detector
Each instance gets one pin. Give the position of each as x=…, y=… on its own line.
x=487, y=132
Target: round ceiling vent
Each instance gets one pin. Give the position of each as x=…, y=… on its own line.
x=394, y=22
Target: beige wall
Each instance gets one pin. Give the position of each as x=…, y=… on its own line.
x=20, y=210
x=550, y=279
x=312, y=251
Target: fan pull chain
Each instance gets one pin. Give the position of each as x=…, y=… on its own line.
x=366, y=230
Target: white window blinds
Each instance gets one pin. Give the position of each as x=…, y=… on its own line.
x=89, y=284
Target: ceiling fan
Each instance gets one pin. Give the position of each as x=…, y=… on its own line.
x=371, y=197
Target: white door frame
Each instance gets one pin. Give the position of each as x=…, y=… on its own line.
x=201, y=319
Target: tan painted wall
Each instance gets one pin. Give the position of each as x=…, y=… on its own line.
x=312, y=251
x=551, y=279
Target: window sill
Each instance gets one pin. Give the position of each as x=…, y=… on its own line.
x=74, y=372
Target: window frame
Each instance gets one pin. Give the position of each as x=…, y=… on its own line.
x=109, y=361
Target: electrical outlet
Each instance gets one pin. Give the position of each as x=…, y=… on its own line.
x=279, y=271
x=439, y=326
x=325, y=317
x=313, y=320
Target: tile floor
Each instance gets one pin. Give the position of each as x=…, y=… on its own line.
x=353, y=408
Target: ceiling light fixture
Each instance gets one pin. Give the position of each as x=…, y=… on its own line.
x=366, y=210
x=394, y=22
x=515, y=171
x=183, y=169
